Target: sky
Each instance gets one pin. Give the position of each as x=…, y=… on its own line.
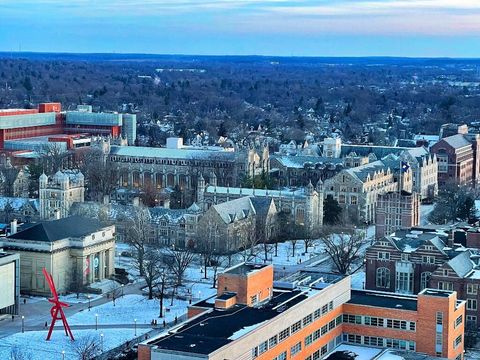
x=413, y=28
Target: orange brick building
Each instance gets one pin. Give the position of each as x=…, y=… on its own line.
x=306, y=316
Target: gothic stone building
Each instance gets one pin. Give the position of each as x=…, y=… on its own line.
x=180, y=166
x=59, y=192
x=303, y=205
x=238, y=223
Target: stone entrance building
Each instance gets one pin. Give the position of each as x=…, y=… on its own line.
x=77, y=251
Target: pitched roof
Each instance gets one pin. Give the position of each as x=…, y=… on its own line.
x=50, y=231
x=164, y=153
x=362, y=172
x=456, y=141
x=462, y=264
x=299, y=161
x=233, y=210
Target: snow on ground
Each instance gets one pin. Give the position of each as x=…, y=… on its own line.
x=425, y=210
x=81, y=299
x=358, y=280
x=128, y=308
x=34, y=346
x=363, y=352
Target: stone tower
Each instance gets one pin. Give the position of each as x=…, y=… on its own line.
x=59, y=192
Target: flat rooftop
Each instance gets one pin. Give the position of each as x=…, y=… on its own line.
x=213, y=330
x=244, y=269
x=383, y=300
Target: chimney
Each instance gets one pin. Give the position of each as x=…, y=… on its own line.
x=56, y=214
x=13, y=227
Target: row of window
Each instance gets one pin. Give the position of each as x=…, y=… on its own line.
x=404, y=280
x=380, y=322
x=426, y=259
x=285, y=333
x=380, y=342
x=314, y=336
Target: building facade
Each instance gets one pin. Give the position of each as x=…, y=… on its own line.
x=181, y=167
x=58, y=193
x=356, y=189
x=395, y=211
x=304, y=206
x=10, y=275
x=77, y=251
x=253, y=317
x=456, y=160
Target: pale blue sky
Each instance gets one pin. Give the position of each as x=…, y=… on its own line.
x=263, y=27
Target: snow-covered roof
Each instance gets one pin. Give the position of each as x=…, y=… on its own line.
x=211, y=153
x=300, y=161
x=17, y=203
x=283, y=193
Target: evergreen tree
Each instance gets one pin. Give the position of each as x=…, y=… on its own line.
x=331, y=211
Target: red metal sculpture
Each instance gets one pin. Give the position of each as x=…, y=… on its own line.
x=56, y=311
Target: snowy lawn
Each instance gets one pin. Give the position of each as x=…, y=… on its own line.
x=33, y=346
x=127, y=309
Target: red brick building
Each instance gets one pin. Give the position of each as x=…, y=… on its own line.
x=458, y=159
x=307, y=316
x=396, y=210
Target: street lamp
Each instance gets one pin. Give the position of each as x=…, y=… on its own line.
x=63, y=354
x=122, y=289
x=101, y=341
x=96, y=321
x=135, y=321
x=23, y=324
x=89, y=305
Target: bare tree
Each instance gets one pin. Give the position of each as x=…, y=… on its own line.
x=163, y=282
x=138, y=233
x=248, y=244
x=8, y=177
x=153, y=268
x=86, y=348
x=308, y=242
x=343, y=246
x=216, y=261
x=101, y=176
x=206, y=239
x=178, y=262
x=53, y=157
x=114, y=291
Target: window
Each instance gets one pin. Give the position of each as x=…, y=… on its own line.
x=404, y=282
x=472, y=289
x=424, y=278
x=263, y=347
x=295, y=327
x=307, y=320
x=282, y=356
x=295, y=349
x=273, y=341
x=458, y=321
x=471, y=304
x=428, y=259
x=253, y=299
x=445, y=272
x=457, y=341
x=471, y=320
x=353, y=200
x=383, y=277
x=341, y=199
x=254, y=352
x=308, y=340
x=445, y=285
x=405, y=257
x=283, y=334
x=439, y=318
x=382, y=255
